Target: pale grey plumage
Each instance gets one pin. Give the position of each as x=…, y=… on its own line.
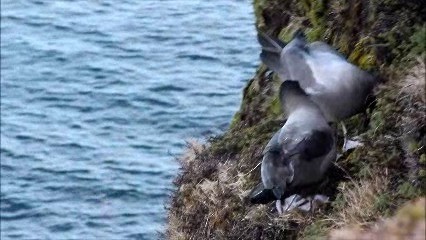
x=302, y=150
x=338, y=87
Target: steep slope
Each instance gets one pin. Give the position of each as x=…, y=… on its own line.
x=386, y=37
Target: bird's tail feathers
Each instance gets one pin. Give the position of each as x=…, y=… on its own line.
x=271, y=51
x=269, y=43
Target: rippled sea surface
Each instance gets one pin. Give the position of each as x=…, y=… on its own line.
x=97, y=99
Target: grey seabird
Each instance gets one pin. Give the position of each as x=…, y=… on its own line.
x=301, y=151
x=338, y=87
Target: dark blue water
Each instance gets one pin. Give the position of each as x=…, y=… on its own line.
x=97, y=98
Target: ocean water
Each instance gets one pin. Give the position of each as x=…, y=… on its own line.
x=98, y=98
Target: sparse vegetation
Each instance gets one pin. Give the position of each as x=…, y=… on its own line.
x=385, y=36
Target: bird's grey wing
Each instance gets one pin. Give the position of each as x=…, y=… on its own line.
x=294, y=61
x=324, y=47
x=315, y=145
x=287, y=60
x=271, y=52
x=273, y=144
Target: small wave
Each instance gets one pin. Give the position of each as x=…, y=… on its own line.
x=62, y=227
x=23, y=137
x=142, y=146
x=15, y=236
x=5, y=167
x=100, y=76
x=13, y=155
x=85, y=191
x=108, y=120
x=9, y=205
x=212, y=94
x=114, y=193
x=62, y=28
x=26, y=215
x=167, y=88
x=6, y=152
x=160, y=38
x=120, y=103
x=59, y=98
x=76, y=126
x=127, y=215
x=74, y=145
x=36, y=24
x=85, y=179
x=153, y=101
x=35, y=2
x=93, y=224
x=137, y=236
x=12, y=17
x=130, y=223
x=150, y=172
x=61, y=172
x=198, y=57
x=32, y=114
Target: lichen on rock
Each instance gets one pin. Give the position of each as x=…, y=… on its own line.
x=386, y=37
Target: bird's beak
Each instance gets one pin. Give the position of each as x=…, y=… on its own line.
x=278, y=192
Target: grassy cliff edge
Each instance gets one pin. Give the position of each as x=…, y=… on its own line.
x=386, y=37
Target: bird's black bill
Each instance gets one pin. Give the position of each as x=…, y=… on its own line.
x=260, y=195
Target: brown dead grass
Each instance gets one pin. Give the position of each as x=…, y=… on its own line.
x=412, y=101
x=360, y=200
x=414, y=84
x=408, y=223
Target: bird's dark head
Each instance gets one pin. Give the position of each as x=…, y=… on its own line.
x=291, y=88
x=276, y=173
x=291, y=95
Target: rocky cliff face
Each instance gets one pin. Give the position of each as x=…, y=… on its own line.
x=386, y=37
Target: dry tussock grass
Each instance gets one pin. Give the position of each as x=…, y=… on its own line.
x=413, y=84
x=412, y=120
x=408, y=223
x=361, y=199
x=193, y=149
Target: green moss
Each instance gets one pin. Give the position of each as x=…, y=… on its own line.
x=258, y=6
x=363, y=55
x=355, y=125
x=422, y=159
x=275, y=107
x=364, y=170
x=377, y=121
x=418, y=41
x=412, y=146
x=235, y=120
x=339, y=202
x=422, y=173
x=382, y=204
x=286, y=34
x=408, y=191
x=315, y=231
x=315, y=11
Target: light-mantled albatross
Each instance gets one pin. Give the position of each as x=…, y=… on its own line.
x=301, y=151
x=338, y=87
